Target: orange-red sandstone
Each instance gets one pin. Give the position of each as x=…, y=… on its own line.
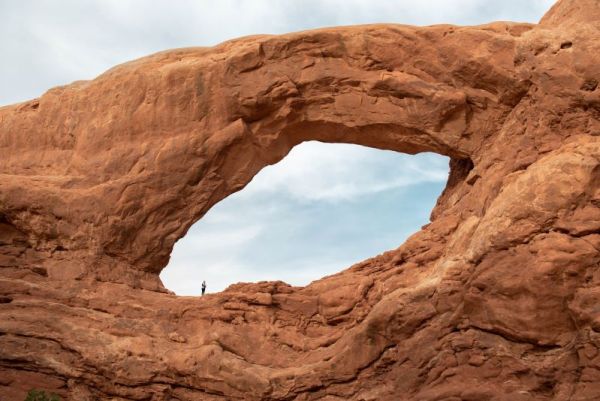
x=497, y=299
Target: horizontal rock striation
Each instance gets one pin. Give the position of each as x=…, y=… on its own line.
x=495, y=299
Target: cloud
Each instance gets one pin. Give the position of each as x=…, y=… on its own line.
x=48, y=43
x=318, y=211
x=222, y=240
x=313, y=172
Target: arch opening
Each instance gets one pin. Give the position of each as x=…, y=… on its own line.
x=316, y=212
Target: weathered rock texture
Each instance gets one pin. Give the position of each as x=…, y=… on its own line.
x=497, y=299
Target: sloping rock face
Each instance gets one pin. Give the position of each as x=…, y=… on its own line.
x=496, y=299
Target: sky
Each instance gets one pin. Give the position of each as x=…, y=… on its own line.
x=322, y=208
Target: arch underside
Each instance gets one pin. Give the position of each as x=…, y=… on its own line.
x=99, y=179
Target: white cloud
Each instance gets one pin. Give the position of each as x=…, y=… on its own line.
x=312, y=172
x=219, y=240
x=47, y=43
x=310, y=215
x=211, y=254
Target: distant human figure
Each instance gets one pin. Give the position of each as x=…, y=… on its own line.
x=203, y=287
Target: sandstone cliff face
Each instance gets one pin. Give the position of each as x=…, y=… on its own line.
x=496, y=299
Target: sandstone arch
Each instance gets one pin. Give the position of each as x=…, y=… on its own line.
x=231, y=110
x=100, y=178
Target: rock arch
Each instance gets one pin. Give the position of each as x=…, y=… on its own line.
x=145, y=149
x=100, y=178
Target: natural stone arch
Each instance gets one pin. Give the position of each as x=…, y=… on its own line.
x=101, y=177
x=209, y=119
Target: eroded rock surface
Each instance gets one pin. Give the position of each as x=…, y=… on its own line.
x=496, y=299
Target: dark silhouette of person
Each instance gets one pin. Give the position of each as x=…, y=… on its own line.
x=203, y=287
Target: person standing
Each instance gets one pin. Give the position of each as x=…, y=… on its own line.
x=203, y=286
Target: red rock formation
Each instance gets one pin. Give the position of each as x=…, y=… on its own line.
x=496, y=299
